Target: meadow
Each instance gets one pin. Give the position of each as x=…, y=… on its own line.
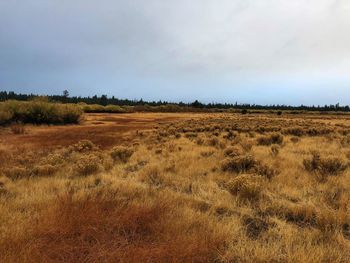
x=177, y=187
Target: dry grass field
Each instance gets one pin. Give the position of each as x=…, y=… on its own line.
x=157, y=187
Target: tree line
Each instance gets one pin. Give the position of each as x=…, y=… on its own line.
x=105, y=100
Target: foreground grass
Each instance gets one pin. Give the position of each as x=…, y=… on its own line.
x=229, y=189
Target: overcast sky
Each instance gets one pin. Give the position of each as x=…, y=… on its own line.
x=256, y=51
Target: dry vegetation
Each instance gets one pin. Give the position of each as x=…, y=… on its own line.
x=213, y=188
x=39, y=111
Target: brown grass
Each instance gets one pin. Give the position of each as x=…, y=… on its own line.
x=177, y=188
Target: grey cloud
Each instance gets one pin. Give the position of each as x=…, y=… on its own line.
x=172, y=43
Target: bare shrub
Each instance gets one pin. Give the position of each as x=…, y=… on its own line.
x=121, y=153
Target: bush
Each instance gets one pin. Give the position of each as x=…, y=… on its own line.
x=295, y=131
x=247, y=187
x=325, y=166
x=87, y=165
x=96, y=108
x=233, y=151
x=5, y=115
x=39, y=112
x=275, y=138
x=84, y=146
x=238, y=164
x=121, y=153
x=265, y=170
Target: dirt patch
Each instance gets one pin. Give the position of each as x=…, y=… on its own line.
x=104, y=130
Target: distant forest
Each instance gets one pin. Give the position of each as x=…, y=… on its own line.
x=105, y=100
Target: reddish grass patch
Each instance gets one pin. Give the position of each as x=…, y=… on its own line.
x=97, y=230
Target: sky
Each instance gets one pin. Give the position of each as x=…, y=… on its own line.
x=249, y=51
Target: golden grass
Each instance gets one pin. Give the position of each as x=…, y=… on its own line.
x=206, y=189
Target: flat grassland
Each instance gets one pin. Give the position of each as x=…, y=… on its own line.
x=177, y=187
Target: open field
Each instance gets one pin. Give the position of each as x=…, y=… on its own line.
x=177, y=187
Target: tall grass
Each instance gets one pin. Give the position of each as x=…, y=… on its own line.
x=39, y=111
